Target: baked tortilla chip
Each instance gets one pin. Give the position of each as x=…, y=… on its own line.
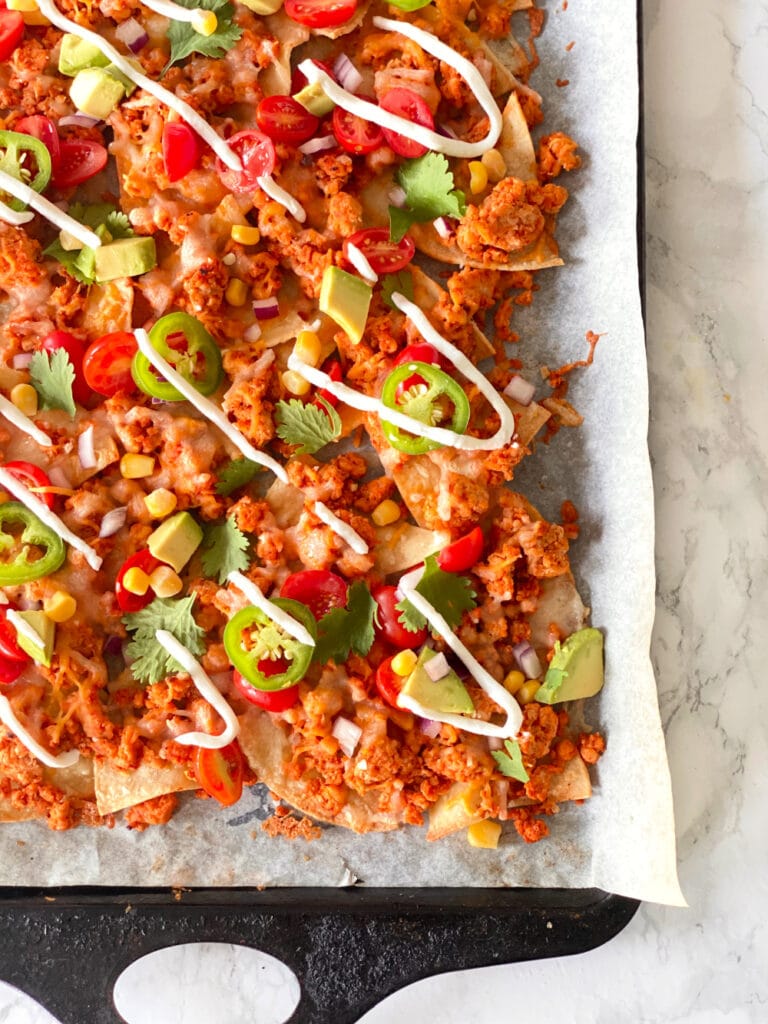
x=75, y=781
x=402, y=546
x=276, y=77
x=117, y=789
x=542, y=254
x=427, y=293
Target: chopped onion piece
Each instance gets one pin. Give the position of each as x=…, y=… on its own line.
x=85, y=448
x=132, y=34
x=266, y=309
x=347, y=733
x=58, y=477
x=520, y=390
x=318, y=145
x=527, y=659
x=113, y=521
x=442, y=227
x=348, y=76
x=429, y=727
x=78, y=120
x=449, y=133
x=495, y=743
x=397, y=196
x=437, y=668
x=501, y=792
x=22, y=360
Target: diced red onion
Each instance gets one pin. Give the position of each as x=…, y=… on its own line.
x=113, y=521
x=318, y=145
x=437, y=668
x=266, y=309
x=397, y=196
x=442, y=227
x=114, y=645
x=348, y=76
x=430, y=728
x=527, y=659
x=22, y=360
x=85, y=448
x=520, y=390
x=495, y=743
x=78, y=120
x=347, y=733
x=252, y=333
x=132, y=34
x=449, y=133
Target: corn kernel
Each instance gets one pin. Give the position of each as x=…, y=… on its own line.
x=165, y=582
x=245, y=234
x=237, y=292
x=134, y=467
x=484, y=835
x=386, y=513
x=527, y=691
x=205, y=23
x=294, y=383
x=478, y=176
x=22, y=5
x=160, y=503
x=404, y=663
x=494, y=164
x=136, y=581
x=513, y=681
x=24, y=397
x=307, y=347
x=60, y=606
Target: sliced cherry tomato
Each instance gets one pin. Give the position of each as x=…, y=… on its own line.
x=129, y=602
x=464, y=553
x=388, y=624
x=333, y=369
x=181, y=150
x=269, y=700
x=384, y=255
x=299, y=79
x=388, y=683
x=408, y=104
x=107, y=363
x=31, y=476
x=354, y=133
x=422, y=352
x=10, y=670
x=220, y=772
x=75, y=349
x=11, y=32
x=44, y=129
x=321, y=591
x=285, y=120
x=257, y=153
x=79, y=160
x=320, y=13
x=9, y=644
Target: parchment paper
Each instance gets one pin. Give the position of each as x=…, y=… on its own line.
x=622, y=840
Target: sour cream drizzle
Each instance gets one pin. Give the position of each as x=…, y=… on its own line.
x=15, y=217
x=193, y=119
x=45, y=207
x=10, y=721
x=268, y=184
x=207, y=690
x=23, y=423
x=360, y=262
x=344, y=530
x=205, y=407
x=173, y=11
x=370, y=112
x=285, y=621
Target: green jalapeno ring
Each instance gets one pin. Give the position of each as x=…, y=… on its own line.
x=275, y=642
x=199, y=343
x=13, y=146
x=35, y=533
x=422, y=406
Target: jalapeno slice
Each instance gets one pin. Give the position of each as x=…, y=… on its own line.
x=20, y=532
x=26, y=158
x=263, y=653
x=189, y=348
x=427, y=394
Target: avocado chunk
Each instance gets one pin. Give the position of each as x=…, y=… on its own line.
x=128, y=84
x=346, y=299
x=314, y=99
x=176, y=540
x=263, y=7
x=75, y=54
x=576, y=670
x=127, y=257
x=46, y=630
x=446, y=695
x=96, y=92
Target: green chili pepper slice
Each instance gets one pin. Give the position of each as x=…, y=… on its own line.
x=21, y=532
x=189, y=348
x=427, y=394
x=265, y=654
x=26, y=158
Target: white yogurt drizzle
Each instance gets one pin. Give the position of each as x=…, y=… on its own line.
x=173, y=11
x=25, y=628
x=10, y=721
x=281, y=618
x=419, y=133
x=45, y=207
x=15, y=217
x=359, y=261
x=23, y=423
x=9, y=483
x=193, y=119
x=344, y=530
x=268, y=184
x=207, y=690
x=206, y=408
x=366, y=403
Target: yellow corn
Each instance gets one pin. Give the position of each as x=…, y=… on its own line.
x=404, y=663
x=484, y=834
x=527, y=691
x=494, y=164
x=237, y=292
x=136, y=581
x=60, y=606
x=478, y=176
x=165, y=582
x=160, y=503
x=134, y=467
x=307, y=347
x=205, y=23
x=24, y=397
x=22, y=5
x=245, y=234
x=513, y=681
x=294, y=383
x=386, y=513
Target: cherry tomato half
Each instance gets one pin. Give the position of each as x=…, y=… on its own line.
x=285, y=120
x=384, y=255
x=269, y=700
x=32, y=477
x=9, y=644
x=354, y=133
x=75, y=349
x=320, y=13
x=10, y=670
x=388, y=624
x=181, y=150
x=44, y=129
x=321, y=591
x=333, y=369
x=79, y=160
x=107, y=363
x=220, y=772
x=127, y=601
x=11, y=32
x=422, y=352
x=408, y=104
x=257, y=154
x=464, y=553
x=388, y=683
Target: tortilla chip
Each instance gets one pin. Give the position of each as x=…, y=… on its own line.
x=427, y=293
x=117, y=789
x=573, y=783
x=515, y=143
x=541, y=254
x=402, y=545
x=282, y=328
x=559, y=603
x=276, y=77
x=76, y=781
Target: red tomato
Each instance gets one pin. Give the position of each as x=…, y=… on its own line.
x=181, y=150
x=44, y=129
x=285, y=120
x=31, y=476
x=333, y=369
x=257, y=154
x=129, y=602
x=10, y=670
x=321, y=591
x=79, y=160
x=9, y=644
x=464, y=553
x=408, y=104
x=299, y=79
x=11, y=31
x=354, y=133
x=320, y=13
x=107, y=363
x=269, y=700
x=388, y=624
x=384, y=255
x=423, y=352
x=220, y=772
x=75, y=349
x=388, y=683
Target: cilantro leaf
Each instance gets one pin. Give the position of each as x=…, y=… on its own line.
x=149, y=661
x=225, y=549
x=236, y=473
x=306, y=425
x=511, y=762
x=450, y=594
x=401, y=282
x=347, y=629
x=185, y=40
x=429, y=193
x=108, y=223
x=52, y=376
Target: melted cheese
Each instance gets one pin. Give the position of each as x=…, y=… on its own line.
x=10, y=721
x=23, y=423
x=344, y=530
x=45, y=207
x=268, y=184
x=281, y=618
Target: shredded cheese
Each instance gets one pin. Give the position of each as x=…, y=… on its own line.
x=10, y=721
x=344, y=530
x=23, y=423
x=268, y=184
x=45, y=207
x=285, y=621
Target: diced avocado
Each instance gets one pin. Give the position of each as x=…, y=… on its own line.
x=128, y=84
x=446, y=695
x=346, y=298
x=315, y=100
x=176, y=540
x=96, y=92
x=46, y=629
x=127, y=257
x=76, y=54
x=576, y=670
x=68, y=242
x=263, y=7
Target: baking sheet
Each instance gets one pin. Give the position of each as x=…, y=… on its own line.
x=622, y=840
